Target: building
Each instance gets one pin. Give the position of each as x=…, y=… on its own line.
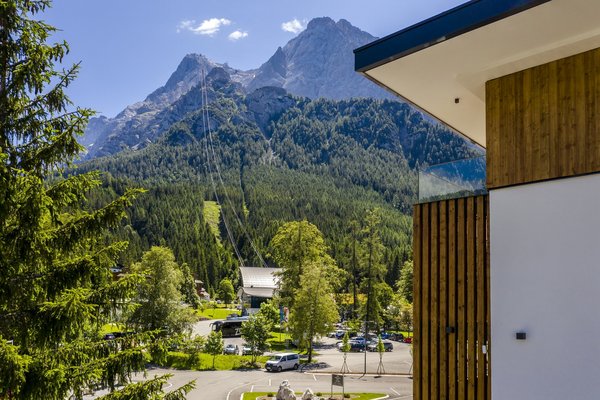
x=258, y=285
x=507, y=284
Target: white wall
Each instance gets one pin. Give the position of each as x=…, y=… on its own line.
x=545, y=281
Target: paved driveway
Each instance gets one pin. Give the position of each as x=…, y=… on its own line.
x=229, y=385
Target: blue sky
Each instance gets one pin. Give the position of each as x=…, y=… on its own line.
x=128, y=48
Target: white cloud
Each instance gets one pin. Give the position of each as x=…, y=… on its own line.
x=237, y=35
x=207, y=27
x=293, y=26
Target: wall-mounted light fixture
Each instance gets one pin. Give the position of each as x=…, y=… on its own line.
x=521, y=335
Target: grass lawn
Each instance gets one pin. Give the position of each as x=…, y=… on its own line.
x=216, y=313
x=353, y=396
x=278, y=344
x=212, y=213
x=110, y=328
x=277, y=341
x=179, y=360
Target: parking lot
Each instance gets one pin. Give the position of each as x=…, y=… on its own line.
x=397, y=361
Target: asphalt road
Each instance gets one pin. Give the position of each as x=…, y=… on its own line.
x=229, y=385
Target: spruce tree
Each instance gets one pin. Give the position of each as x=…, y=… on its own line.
x=56, y=288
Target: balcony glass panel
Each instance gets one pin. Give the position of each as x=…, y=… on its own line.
x=461, y=178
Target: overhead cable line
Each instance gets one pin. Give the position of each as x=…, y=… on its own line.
x=205, y=126
x=219, y=175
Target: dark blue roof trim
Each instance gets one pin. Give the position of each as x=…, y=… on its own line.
x=464, y=18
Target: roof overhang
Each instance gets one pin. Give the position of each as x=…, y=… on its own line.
x=441, y=65
x=265, y=293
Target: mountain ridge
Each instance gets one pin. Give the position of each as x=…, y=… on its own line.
x=292, y=67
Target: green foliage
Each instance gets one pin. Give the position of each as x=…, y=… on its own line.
x=211, y=312
x=56, y=289
x=193, y=348
x=346, y=343
x=295, y=245
x=223, y=362
x=405, y=283
x=314, y=311
x=226, y=292
x=214, y=345
x=188, y=287
x=400, y=313
x=151, y=389
x=256, y=331
x=380, y=346
x=270, y=312
x=212, y=215
x=158, y=295
x=322, y=161
x=373, y=284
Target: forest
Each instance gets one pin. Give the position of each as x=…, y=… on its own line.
x=268, y=158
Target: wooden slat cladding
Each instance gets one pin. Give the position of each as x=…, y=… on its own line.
x=451, y=307
x=544, y=122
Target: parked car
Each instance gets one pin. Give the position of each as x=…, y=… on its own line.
x=108, y=336
x=396, y=336
x=357, y=346
x=279, y=362
x=359, y=339
x=231, y=349
x=408, y=339
x=385, y=335
x=247, y=351
x=338, y=334
x=387, y=345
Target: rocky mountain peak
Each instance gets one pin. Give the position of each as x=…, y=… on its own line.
x=266, y=103
x=218, y=76
x=320, y=23
x=319, y=62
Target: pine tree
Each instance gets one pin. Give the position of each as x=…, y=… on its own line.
x=56, y=288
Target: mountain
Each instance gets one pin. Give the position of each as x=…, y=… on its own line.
x=316, y=63
x=319, y=62
x=290, y=140
x=140, y=123
x=271, y=157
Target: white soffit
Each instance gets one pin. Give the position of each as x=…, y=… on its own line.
x=434, y=77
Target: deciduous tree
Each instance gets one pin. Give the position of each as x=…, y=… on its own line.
x=314, y=311
x=226, y=291
x=295, y=245
x=270, y=312
x=158, y=295
x=214, y=345
x=405, y=283
x=256, y=331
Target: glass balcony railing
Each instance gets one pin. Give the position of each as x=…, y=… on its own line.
x=451, y=180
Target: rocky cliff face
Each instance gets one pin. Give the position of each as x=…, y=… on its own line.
x=140, y=123
x=319, y=62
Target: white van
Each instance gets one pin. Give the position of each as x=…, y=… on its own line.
x=279, y=362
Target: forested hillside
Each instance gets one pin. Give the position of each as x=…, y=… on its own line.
x=271, y=158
